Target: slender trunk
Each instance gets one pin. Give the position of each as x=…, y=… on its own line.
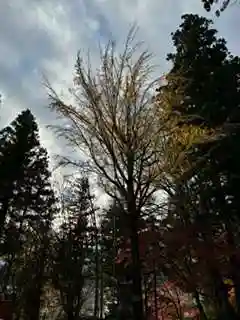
x=202, y=313
x=96, y=294
x=136, y=276
x=133, y=214
x=101, y=287
x=225, y=309
x=155, y=294
x=68, y=306
x=234, y=265
x=3, y=214
x=145, y=296
x=70, y=315
x=33, y=308
x=221, y=295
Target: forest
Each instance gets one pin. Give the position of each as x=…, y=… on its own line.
x=165, y=152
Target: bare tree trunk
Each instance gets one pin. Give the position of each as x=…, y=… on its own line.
x=101, y=287
x=33, y=308
x=145, y=296
x=203, y=315
x=137, y=301
x=155, y=294
x=96, y=294
x=70, y=315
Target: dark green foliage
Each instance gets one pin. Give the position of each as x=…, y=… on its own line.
x=27, y=208
x=30, y=270
x=208, y=73
x=211, y=95
x=207, y=197
x=72, y=250
x=222, y=5
x=96, y=267
x=26, y=195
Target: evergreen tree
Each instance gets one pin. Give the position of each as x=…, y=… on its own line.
x=211, y=96
x=29, y=274
x=27, y=208
x=206, y=71
x=204, y=84
x=25, y=187
x=73, y=251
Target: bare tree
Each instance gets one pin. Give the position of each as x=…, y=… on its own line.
x=116, y=123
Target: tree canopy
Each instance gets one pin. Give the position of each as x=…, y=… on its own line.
x=166, y=245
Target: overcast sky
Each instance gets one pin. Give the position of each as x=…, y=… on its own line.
x=43, y=36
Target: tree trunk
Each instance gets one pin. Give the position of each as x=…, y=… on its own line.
x=3, y=214
x=155, y=294
x=203, y=315
x=96, y=295
x=70, y=315
x=145, y=296
x=33, y=308
x=134, y=214
x=225, y=308
x=230, y=241
x=234, y=267
x=137, y=301
x=101, y=287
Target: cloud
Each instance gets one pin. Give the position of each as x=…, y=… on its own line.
x=43, y=36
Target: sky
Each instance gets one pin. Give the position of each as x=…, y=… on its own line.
x=41, y=38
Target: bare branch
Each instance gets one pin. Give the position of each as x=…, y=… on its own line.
x=116, y=123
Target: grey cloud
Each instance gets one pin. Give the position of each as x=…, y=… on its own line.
x=44, y=35
x=32, y=37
